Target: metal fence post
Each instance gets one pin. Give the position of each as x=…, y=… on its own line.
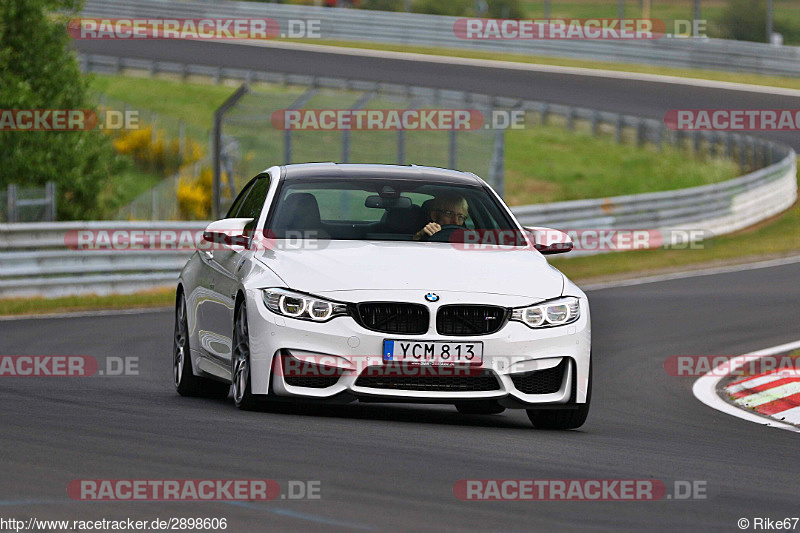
x=12, y=203
x=360, y=103
x=660, y=137
x=50, y=197
x=217, y=146
x=182, y=140
x=153, y=130
x=595, y=123
x=401, y=146
x=287, y=147
x=497, y=168
x=618, y=129
x=640, y=133
x=453, y=148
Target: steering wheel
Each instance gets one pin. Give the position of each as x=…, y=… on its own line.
x=444, y=234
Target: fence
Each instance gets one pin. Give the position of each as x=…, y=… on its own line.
x=29, y=204
x=433, y=30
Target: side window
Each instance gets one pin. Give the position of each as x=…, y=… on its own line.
x=237, y=204
x=252, y=205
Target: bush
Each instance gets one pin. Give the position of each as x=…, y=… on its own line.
x=154, y=153
x=745, y=20
x=39, y=71
x=194, y=195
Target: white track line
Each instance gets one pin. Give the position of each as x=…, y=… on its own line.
x=791, y=415
x=705, y=390
x=513, y=65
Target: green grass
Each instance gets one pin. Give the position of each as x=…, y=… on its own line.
x=194, y=103
x=127, y=185
x=546, y=164
x=35, y=306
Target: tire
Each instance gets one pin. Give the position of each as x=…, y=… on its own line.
x=562, y=418
x=243, y=397
x=186, y=383
x=480, y=408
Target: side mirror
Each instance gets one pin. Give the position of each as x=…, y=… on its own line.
x=228, y=231
x=550, y=241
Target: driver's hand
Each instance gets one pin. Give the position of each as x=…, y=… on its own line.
x=428, y=230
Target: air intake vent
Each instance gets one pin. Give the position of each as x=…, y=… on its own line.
x=541, y=381
x=380, y=378
x=470, y=319
x=393, y=317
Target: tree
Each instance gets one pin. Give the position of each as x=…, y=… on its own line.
x=39, y=71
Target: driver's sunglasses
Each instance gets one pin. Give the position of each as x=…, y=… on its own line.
x=461, y=218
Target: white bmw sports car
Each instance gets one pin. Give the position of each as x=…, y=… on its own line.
x=382, y=283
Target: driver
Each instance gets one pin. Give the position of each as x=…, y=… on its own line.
x=448, y=209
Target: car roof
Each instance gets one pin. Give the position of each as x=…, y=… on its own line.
x=412, y=172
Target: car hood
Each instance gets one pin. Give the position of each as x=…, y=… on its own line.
x=375, y=265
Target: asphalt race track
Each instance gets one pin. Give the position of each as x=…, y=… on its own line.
x=392, y=467
x=646, y=99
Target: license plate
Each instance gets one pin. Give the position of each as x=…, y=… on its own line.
x=433, y=353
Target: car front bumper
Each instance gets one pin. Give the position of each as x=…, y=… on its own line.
x=516, y=356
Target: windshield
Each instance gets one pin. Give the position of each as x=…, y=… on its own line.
x=382, y=209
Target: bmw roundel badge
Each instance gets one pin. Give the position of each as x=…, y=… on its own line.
x=432, y=297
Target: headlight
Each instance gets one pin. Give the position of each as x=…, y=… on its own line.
x=549, y=314
x=302, y=306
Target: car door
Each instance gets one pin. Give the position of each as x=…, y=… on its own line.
x=214, y=311
x=226, y=263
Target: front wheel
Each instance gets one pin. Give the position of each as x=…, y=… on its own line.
x=243, y=397
x=562, y=418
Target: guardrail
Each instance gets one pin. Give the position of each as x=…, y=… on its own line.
x=36, y=261
x=437, y=31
